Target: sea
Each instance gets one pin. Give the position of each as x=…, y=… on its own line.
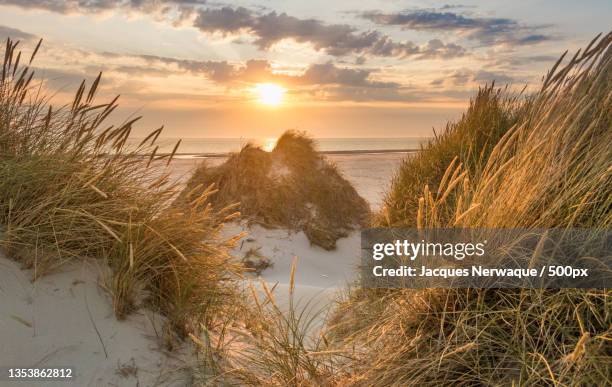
x=193, y=147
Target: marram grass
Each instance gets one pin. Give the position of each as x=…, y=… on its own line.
x=70, y=189
x=542, y=160
x=549, y=166
x=291, y=187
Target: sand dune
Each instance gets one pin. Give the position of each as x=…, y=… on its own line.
x=60, y=316
x=320, y=274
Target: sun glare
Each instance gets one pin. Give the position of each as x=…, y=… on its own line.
x=269, y=144
x=269, y=93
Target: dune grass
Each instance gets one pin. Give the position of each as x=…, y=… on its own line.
x=278, y=348
x=548, y=166
x=535, y=161
x=275, y=342
x=468, y=142
x=292, y=187
x=71, y=189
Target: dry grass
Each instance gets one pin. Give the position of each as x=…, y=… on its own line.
x=275, y=345
x=545, y=163
x=255, y=262
x=468, y=142
x=292, y=187
x=548, y=167
x=539, y=162
x=70, y=189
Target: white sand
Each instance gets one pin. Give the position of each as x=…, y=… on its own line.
x=316, y=266
x=48, y=323
x=320, y=274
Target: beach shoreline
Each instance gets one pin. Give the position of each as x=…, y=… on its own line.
x=327, y=153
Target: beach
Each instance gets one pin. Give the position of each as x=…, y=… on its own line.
x=320, y=273
x=200, y=193
x=66, y=319
x=132, y=257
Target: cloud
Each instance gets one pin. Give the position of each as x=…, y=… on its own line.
x=219, y=71
x=267, y=28
x=328, y=73
x=132, y=75
x=175, y=10
x=324, y=81
x=436, y=49
x=357, y=94
x=81, y=6
x=62, y=79
x=465, y=77
x=489, y=76
x=334, y=39
x=532, y=39
x=260, y=71
x=15, y=34
x=135, y=70
x=515, y=61
x=489, y=31
x=456, y=6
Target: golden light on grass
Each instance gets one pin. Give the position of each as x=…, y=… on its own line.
x=172, y=252
x=269, y=94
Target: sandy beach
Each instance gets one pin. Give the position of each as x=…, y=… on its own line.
x=184, y=187
x=320, y=274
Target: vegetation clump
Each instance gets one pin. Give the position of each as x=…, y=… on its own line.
x=544, y=164
x=292, y=187
x=490, y=114
x=541, y=161
x=255, y=262
x=71, y=189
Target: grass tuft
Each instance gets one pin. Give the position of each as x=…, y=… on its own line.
x=292, y=187
x=70, y=188
x=277, y=343
x=539, y=163
x=466, y=143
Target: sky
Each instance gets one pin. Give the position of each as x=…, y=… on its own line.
x=342, y=68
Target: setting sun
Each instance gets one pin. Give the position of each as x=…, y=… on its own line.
x=269, y=93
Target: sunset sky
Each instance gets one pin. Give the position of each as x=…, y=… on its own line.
x=333, y=68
